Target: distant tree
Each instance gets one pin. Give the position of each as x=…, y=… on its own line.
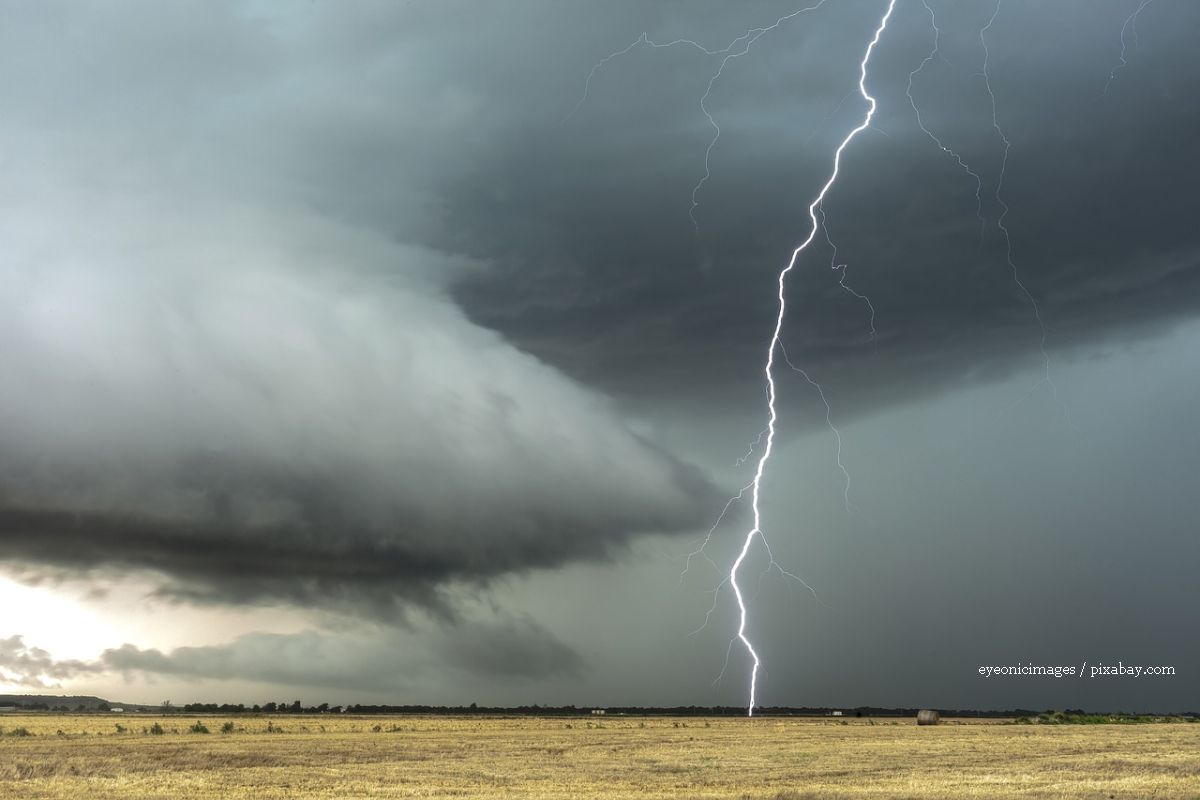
x=269, y=708
x=295, y=709
x=104, y=707
x=166, y=706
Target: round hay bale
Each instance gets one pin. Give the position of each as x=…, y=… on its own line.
x=928, y=717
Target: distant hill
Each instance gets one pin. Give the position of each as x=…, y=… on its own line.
x=46, y=702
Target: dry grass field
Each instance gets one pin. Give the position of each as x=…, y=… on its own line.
x=337, y=756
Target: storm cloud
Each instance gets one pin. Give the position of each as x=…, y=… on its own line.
x=258, y=400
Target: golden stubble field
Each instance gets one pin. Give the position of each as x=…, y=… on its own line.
x=339, y=756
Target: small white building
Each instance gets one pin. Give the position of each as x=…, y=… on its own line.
x=835, y=713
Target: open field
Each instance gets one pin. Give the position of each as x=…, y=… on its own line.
x=339, y=756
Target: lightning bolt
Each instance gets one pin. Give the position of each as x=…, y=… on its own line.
x=1130, y=26
x=775, y=343
x=737, y=48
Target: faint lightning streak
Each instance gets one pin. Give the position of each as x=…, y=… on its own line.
x=863, y=297
x=587, y=84
x=716, y=129
x=829, y=116
x=711, y=610
x=645, y=39
x=748, y=38
x=842, y=281
x=936, y=53
x=751, y=36
x=742, y=459
x=700, y=551
x=1130, y=26
x=775, y=564
x=828, y=423
x=1004, y=209
x=725, y=666
x=756, y=530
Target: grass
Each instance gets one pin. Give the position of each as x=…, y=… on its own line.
x=339, y=756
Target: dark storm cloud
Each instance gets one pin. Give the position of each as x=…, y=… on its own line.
x=218, y=368
x=601, y=272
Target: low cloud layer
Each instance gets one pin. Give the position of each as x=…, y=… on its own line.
x=507, y=651
x=31, y=667
x=371, y=661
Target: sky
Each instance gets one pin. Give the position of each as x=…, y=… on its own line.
x=383, y=352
